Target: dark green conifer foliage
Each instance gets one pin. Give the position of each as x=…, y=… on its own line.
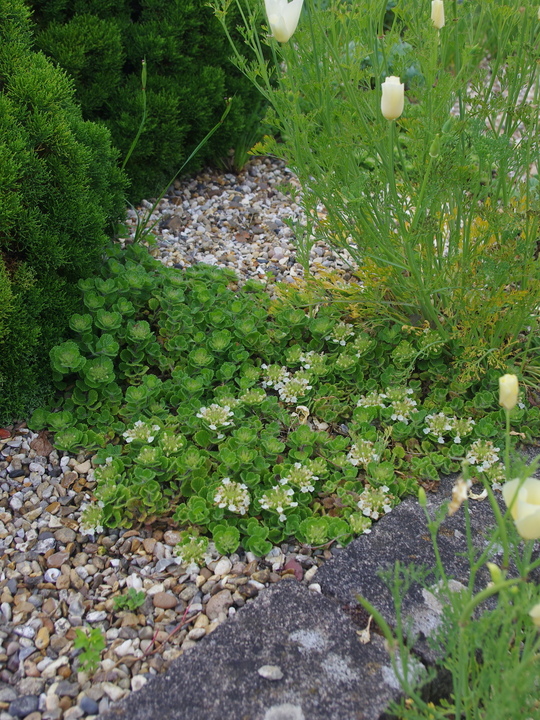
x=101, y=44
x=60, y=193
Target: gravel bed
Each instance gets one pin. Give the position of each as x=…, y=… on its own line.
x=238, y=222
x=54, y=579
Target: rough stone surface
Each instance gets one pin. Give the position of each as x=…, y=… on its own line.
x=403, y=536
x=307, y=636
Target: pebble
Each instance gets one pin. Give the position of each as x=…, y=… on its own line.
x=89, y=706
x=53, y=579
x=164, y=600
x=270, y=672
x=24, y=705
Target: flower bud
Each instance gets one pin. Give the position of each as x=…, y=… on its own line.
x=535, y=615
x=422, y=499
x=437, y=13
x=435, y=147
x=523, y=499
x=495, y=572
x=393, y=97
x=283, y=17
x=143, y=74
x=508, y=391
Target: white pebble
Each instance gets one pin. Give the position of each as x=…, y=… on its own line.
x=222, y=567
x=310, y=573
x=270, y=672
x=137, y=682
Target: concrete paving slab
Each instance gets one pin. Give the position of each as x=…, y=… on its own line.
x=403, y=536
x=327, y=673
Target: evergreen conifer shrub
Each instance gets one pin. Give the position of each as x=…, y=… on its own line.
x=60, y=192
x=102, y=44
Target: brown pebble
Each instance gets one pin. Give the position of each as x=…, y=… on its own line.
x=30, y=669
x=218, y=603
x=251, y=567
x=25, y=607
x=149, y=545
x=171, y=537
x=65, y=703
x=165, y=600
x=129, y=620
x=33, y=716
x=63, y=582
x=49, y=606
x=294, y=567
x=64, y=671
x=47, y=622
x=57, y=559
x=248, y=591
x=42, y=638
x=130, y=533
x=262, y=576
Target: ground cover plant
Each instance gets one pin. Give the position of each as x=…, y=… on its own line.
x=250, y=420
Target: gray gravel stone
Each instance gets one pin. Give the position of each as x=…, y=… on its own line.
x=24, y=705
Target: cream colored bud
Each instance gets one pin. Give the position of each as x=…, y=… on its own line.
x=535, y=615
x=392, y=98
x=437, y=13
x=283, y=17
x=523, y=499
x=508, y=391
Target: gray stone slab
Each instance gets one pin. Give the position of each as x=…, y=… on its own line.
x=403, y=536
x=327, y=672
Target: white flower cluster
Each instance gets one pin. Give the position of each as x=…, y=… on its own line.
x=274, y=375
x=171, y=443
x=301, y=477
x=374, y=399
x=359, y=523
x=296, y=387
x=374, y=501
x=482, y=453
x=229, y=401
x=438, y=425
x=216, y=416
x=253, y=396
x=361, y=344
x=142, y=432
x=362, y=453
x=441, y=425
x=312, y=360
x=105, y=472
x=402, y=409
x=340, y=333
x=233, y=496
x=279, y=498
x=91, y=518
